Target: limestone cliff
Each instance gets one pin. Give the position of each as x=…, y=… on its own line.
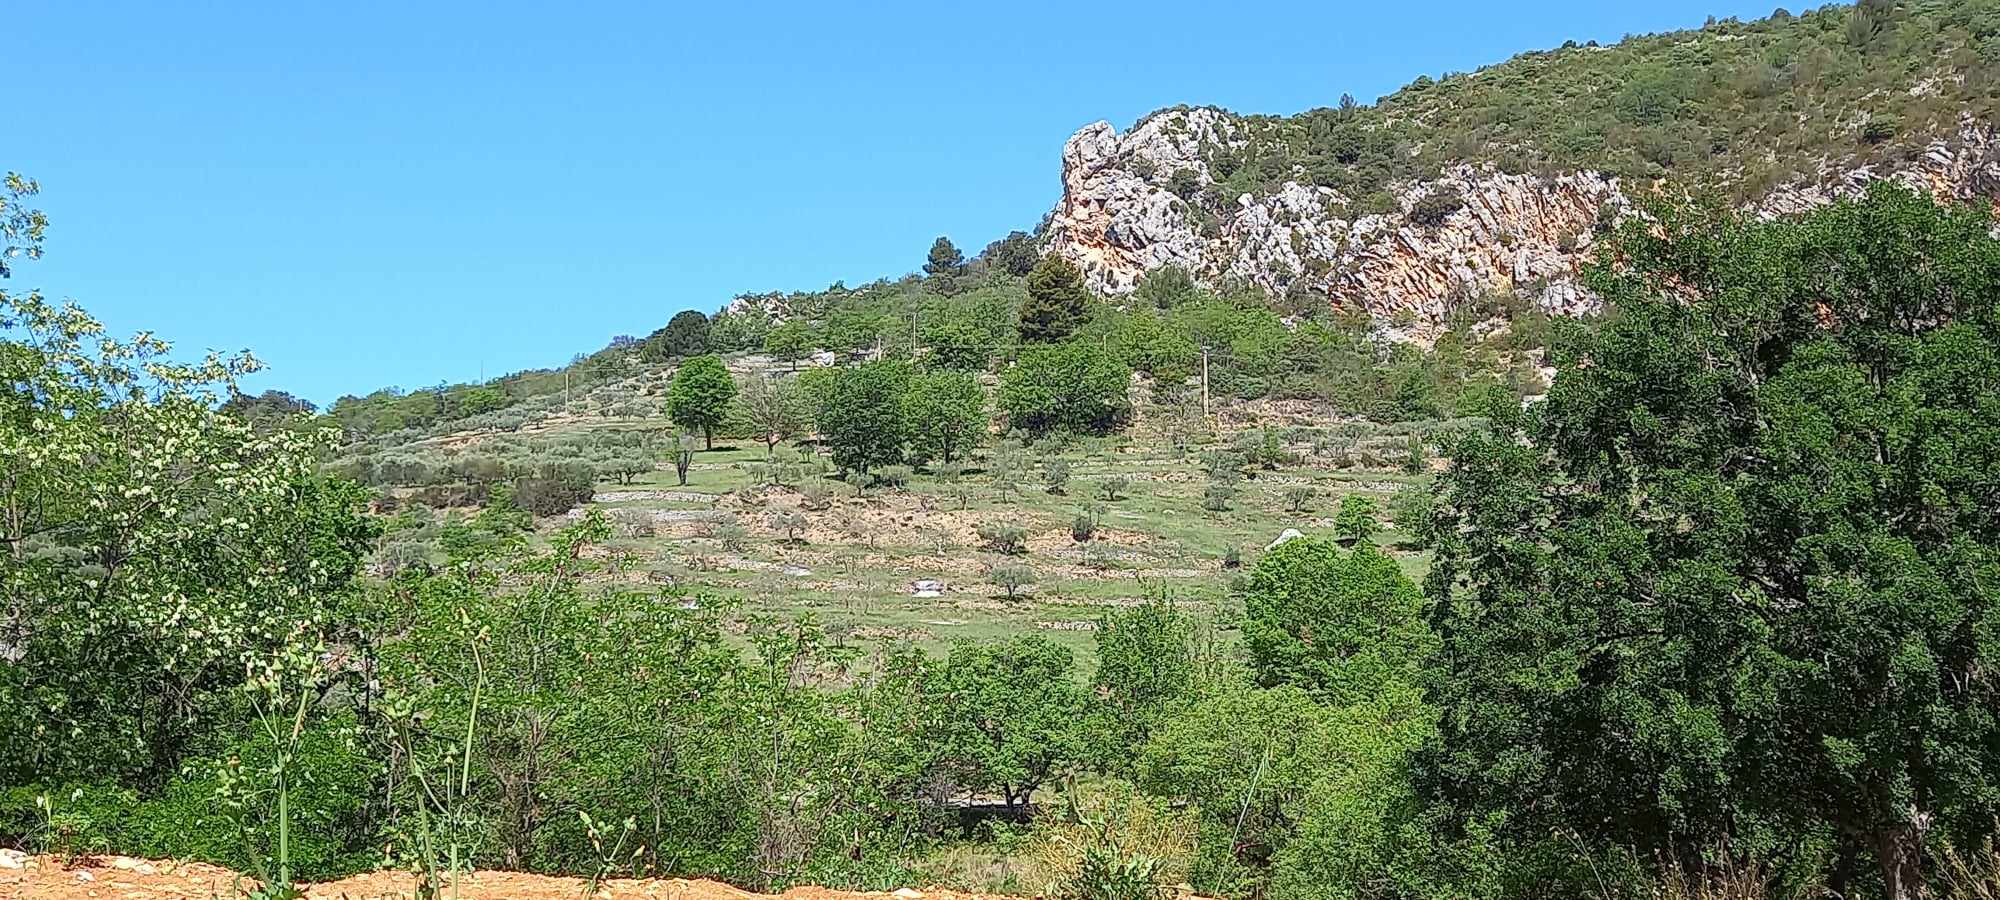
x=1135, y=202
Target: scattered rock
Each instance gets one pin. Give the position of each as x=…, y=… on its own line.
x=797, y=571
x=1118, y=220
x=12, y=859
x=927, y=588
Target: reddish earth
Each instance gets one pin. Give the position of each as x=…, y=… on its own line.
x=123, y=878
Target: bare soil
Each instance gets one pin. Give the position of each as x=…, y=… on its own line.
x=124, y=878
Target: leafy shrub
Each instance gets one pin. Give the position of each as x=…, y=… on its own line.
x=1436, y=207
x=789, y=523
x=1082, y=527
x=1010, y=577
x=1004, y=537
x=1110, y=842
x=1079, y=386
x=1412, y=509
x=556, y=488
x=1111, y=488
x=1358, y=519
x=1055, y=475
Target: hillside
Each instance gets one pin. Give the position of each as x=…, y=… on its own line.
x=1502, y=179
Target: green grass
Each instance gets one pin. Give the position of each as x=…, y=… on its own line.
x=1155, y=540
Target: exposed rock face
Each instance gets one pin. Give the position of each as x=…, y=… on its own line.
x=1120, y=218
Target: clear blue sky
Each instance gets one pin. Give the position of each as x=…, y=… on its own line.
x=406, y=193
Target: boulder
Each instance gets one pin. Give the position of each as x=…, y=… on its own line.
x=1289, y=534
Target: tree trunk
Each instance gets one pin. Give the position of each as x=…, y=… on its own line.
x=1899, y=850
x=708, y=438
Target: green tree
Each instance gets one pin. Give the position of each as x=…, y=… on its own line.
x=1342, y=624
x=1731, y=580
x=944, y=259
x=774, y=409
x=22, y=226
x=945, y=413
x=861, y=415
x=1358, y=519
x=1014, y=254
x=957, y=343
x=1076, y=386
x=1057, y=301
x=157, y=549
x=1146, y=665
x=790, y=341
x=686, y=334
x=1012, y=714
x=1165, y=288
x=700, y=395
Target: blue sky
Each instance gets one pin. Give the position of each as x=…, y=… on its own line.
x=408, y=193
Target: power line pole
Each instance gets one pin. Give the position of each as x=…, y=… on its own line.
x=1204, y=381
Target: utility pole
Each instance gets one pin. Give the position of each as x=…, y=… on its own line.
x=1204, y=381
x=566, y=388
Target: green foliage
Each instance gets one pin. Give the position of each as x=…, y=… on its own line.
x=1413, y=508
x=862, y=414
x=700, y=395
x=945, y=413
x=1110, y=842
x=1013, y=715
x=1004, y=538
x=1358, y=519
x=1726, y=582
x=21, y=226
x=1146, y=666
x=1076, y=387
x=1057, y=301
x=774, y=410
x=157, y=546
x=1747, y=104
x=1435, y=207
x=1055, y=475
x=1013, y=255
x=944, y=259
x=1010, y=577
x=789, y=341
x=686, y=334
x=1165, y=288
x=1344, y=625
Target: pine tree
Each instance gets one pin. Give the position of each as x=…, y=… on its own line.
x=1055, y=304
x=945, y=258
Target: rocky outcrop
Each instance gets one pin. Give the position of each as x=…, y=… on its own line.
x=1132, y=203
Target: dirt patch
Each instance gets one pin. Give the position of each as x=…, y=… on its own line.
x=132, y=879
x=655, y=496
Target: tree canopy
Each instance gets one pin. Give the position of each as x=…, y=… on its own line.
x=1735, y=579
x=700, y=395
x=1057, y=301
x=1076, y=386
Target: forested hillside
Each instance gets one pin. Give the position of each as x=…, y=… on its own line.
x=1003, y=578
